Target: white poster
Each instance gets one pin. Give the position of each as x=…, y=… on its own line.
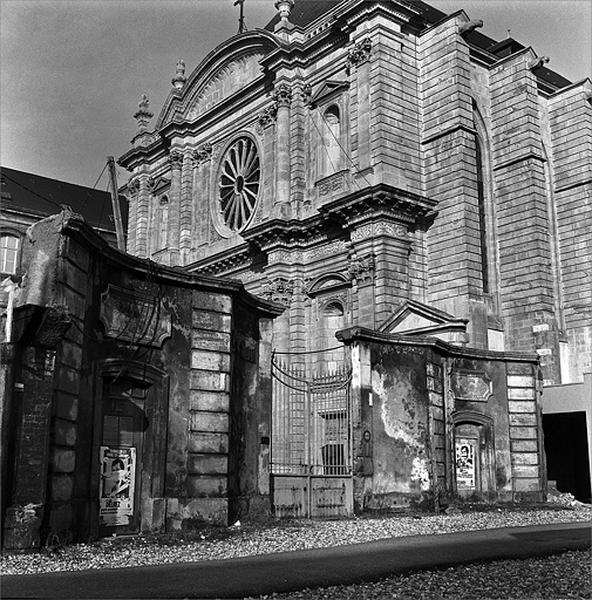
x=118, y=475
x=465, y=465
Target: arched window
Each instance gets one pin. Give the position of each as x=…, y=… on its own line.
x=331, y=158
x=483, y=233
x=486, y=208
x=9, y=251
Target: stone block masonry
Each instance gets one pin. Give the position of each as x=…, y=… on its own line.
x=100, y=372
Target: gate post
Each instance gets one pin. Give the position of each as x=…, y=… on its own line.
x=361, y=419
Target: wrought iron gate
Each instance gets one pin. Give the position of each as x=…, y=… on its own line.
x=311, y=442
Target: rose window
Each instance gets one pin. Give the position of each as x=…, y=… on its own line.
x=240, y=177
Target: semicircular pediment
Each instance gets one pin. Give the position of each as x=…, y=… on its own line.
x=226, y=70
x=230, y=78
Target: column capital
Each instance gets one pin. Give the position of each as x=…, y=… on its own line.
x=202, y=154
x=267, y=115
x=282, y=94
x=133, y=185
x=176, y=159
x=360, y=53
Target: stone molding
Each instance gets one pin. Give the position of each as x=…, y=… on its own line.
x=332, y=249
x=279, y=290
x=371, y=230
x=471, y=386
x=337, y=182
x=362, y=269
x=135, y=316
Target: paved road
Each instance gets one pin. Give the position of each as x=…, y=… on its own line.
x=254, y=576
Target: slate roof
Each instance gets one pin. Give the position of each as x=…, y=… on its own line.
x=306, y=11
x=40, y=197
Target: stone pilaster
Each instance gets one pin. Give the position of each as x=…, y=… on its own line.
x=297, y=148
x=142, y=216
x=133, y=188
x=283, y=97
x=176, y=160
x=358, y=62
x=186, y=208
x=379, y=268
x=202, y=160
x=33, y=390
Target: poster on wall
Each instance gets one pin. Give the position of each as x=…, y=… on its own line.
x=465, y=465
x=118, y=475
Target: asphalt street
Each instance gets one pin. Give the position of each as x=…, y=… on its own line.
x=290, y=571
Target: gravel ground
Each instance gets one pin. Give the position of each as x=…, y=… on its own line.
x=556, y=577
x=234, y=542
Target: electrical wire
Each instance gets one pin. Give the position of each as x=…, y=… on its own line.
x=99, y=177
x=347, y=155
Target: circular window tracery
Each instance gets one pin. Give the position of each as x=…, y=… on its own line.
x=240, y=177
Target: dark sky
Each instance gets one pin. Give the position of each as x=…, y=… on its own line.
x=71, y=71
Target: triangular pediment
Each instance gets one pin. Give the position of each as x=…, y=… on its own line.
x=415, y=318
x=160, y=184
x=327, y=89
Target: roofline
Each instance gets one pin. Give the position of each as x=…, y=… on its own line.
x=354, y=334
x=74, y=226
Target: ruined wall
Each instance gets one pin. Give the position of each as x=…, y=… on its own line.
x=419, y=403
x=178, y=357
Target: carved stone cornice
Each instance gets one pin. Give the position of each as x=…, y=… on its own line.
x=359, y=53
x=225, y=262
x=282, y=94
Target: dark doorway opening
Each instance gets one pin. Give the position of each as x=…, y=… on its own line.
x=566, y=447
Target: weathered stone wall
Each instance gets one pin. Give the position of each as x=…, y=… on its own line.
x=193, y=345
x=411, y=400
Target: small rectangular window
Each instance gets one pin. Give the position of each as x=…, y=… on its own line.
x=9, y=246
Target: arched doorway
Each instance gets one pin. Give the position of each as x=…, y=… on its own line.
x=474, y=456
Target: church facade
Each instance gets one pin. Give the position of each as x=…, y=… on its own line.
x=384, y=169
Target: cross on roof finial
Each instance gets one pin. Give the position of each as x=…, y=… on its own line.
x=241, y=19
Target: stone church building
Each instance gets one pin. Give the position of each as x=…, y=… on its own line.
x=385, y=169
x=358, y=253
